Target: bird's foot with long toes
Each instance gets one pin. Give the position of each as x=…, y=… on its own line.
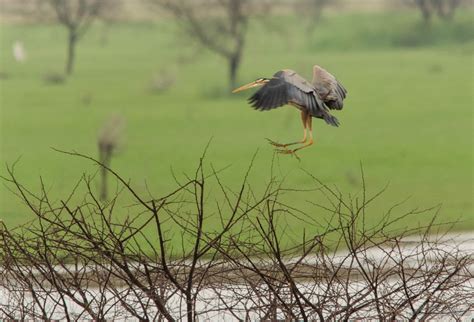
x=280, y=145
x=290, y=152
x=283, y=148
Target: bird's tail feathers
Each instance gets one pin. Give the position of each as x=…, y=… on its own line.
x=331, y=120
x=322, y=112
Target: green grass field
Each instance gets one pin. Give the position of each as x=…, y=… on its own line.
x=408, y=118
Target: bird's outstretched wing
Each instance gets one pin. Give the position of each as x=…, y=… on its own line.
x=329, y=89
x=287, y=87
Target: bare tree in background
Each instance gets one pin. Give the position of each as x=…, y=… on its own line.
x=425, y=8
x=76, y=16
x=318, y=6
x=219, y=26
x=443, y=8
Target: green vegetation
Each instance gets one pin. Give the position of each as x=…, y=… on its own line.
x=408, y=118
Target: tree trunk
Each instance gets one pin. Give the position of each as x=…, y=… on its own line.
x=426, y=10
x=71, y=51
x=103, y=184
x=104, y=158
x=234, y=63
x=189, y=309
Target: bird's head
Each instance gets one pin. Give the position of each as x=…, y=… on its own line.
x=258, y=82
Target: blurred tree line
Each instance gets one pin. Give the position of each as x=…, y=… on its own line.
x=218, y=25
x=221, y=26
x=444, y=9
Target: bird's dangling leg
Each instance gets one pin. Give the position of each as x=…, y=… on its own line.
x=309, y=126
x=304, y=117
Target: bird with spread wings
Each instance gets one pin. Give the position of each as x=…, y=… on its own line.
x=313, y=99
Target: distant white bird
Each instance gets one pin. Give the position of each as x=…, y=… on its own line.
x=19, y=52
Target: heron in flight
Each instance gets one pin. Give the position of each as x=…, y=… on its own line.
x=313, y=99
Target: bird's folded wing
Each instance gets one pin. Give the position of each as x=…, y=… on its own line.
x=329, y=88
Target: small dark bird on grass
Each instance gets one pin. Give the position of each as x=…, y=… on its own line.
x=313, y=99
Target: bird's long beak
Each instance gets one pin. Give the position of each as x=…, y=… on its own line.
x=257, y=83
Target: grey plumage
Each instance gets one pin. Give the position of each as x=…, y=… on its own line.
x=287, y=87
x=328, y=88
